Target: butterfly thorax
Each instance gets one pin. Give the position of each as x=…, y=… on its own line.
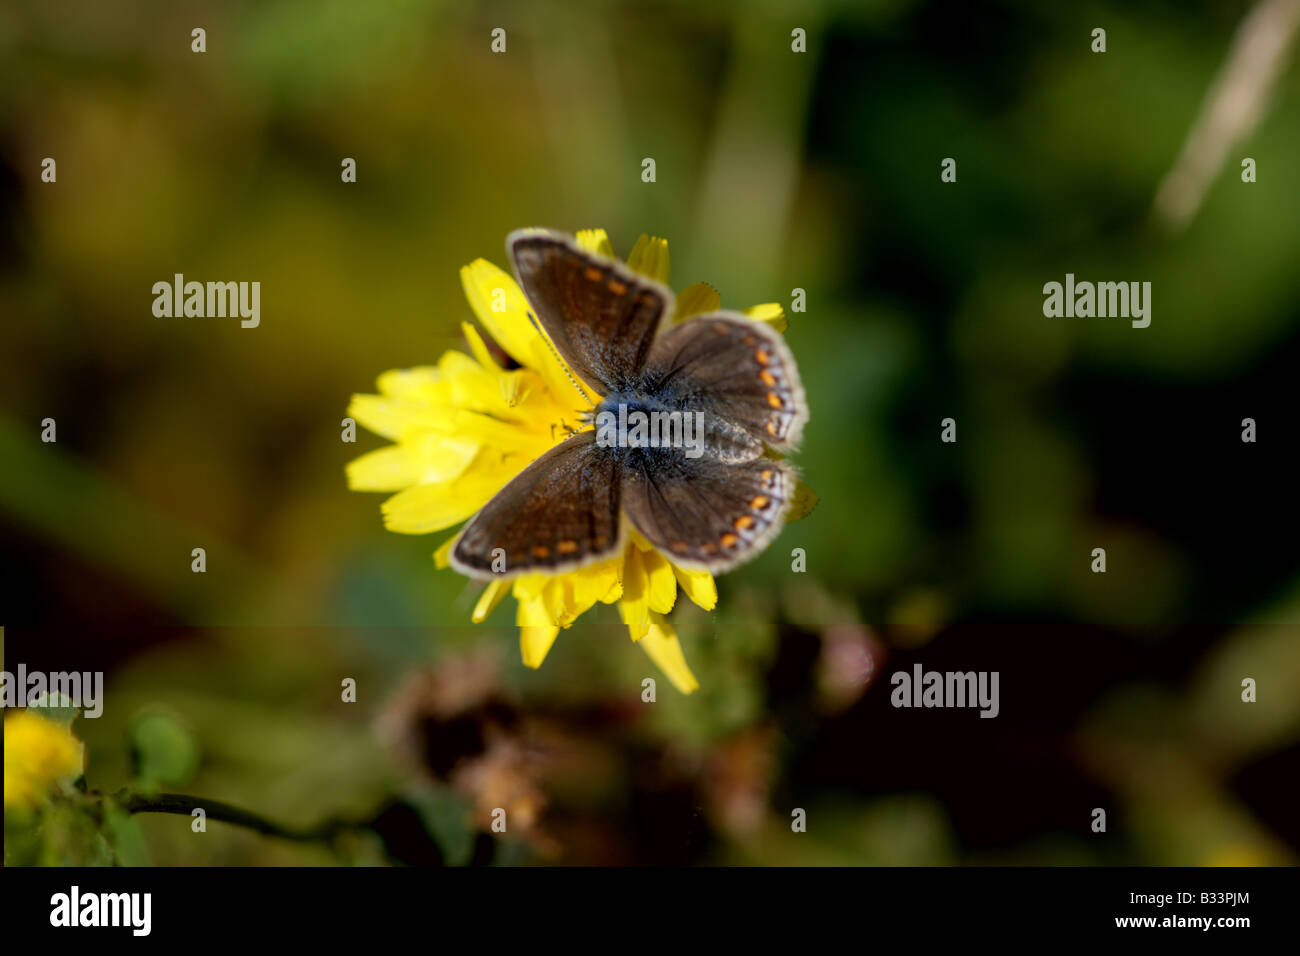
x=642, y=421
x=633, y=399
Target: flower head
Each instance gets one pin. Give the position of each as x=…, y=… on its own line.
x=38, y=754
x=464, y=428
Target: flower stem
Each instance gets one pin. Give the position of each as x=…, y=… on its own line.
x=183, y=805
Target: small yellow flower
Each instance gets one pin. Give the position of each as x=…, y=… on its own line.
x=38, y=754
x=463, y=428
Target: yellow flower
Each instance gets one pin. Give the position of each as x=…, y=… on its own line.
x=463, y=428
x=38, y=754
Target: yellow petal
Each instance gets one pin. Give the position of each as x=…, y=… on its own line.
x=661, y=644
x=594, y=583
x=440, y=557
x=595, y=240
x=771, y=313
x=427, y=459
x=615, y=592
x=424, y=407
x=662, y=584
x=442, y=504
x=386, y=469
x=634, y=607
x=696, y=300
x=475, y=388
x=561, y=599
x=380, y=414
x=449, y=425
x=536, y=634
x=399, y=381
x=442, y=457
x=529, y=587
x=485, y=286
x=425, y=508
x=516, y=388
x=478, y=347
x=532, y=613
x=699, y=587
x=535, y=642
x=650, y=258
x=489, y=599
x=558, y=597
x=500, y=305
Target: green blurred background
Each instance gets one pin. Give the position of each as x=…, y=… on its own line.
x=775, y=170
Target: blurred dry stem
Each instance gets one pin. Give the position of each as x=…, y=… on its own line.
x=1233, y=107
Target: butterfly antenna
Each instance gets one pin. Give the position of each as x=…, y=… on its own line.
x=551, y=345
x=565, y=425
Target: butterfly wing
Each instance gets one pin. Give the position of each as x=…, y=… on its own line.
x=601, y=315
x=734, y=369
x=704, y=513
x=558, y=514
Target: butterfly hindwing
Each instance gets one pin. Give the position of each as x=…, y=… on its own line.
x=734, y=369
x=703, y=513
x=600, y=314
x=558, y=514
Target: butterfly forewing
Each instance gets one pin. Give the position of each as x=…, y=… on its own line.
x=601, y=316
x=703, y=513
x=733, y=368
x=559, y=513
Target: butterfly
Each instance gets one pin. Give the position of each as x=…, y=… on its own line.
x=708, y=508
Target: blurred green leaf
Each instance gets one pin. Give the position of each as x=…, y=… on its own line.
x=446, y=815
x=123, y=834
x=803, y=503
x=163, y=751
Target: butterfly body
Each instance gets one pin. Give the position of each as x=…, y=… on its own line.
x=634, y=399
x=680, y=437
